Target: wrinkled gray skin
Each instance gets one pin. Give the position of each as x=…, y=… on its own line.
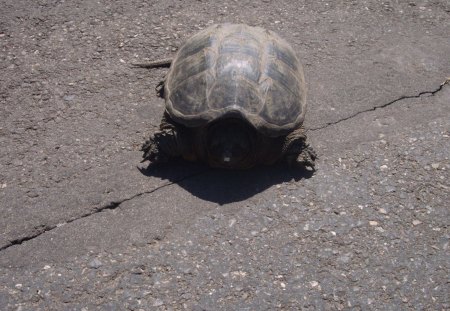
x=235, y=98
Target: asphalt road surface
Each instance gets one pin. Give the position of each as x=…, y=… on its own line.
x=84, y=227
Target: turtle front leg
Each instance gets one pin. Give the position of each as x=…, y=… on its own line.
x=169, y=142
x=158, y=149
x=297, y=152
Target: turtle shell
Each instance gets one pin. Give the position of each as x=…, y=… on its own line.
x=234, y=70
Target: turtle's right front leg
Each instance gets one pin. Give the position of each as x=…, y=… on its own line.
x=159, y=148
x=170, y=142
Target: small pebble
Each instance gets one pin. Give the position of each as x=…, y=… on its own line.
x=344, y=258
x=390, y=189
x=69, y=97
x=158, y=302
x=416, y=222
x=379, y=229
x=383, y=168
x=373, y=223
x=95, y=263
x=435, y=165
x=231, y=222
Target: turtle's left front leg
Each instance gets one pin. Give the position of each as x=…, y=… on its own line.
x=297, y=152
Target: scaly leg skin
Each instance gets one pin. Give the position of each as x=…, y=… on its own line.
x=154, y=148
x=164, y=144
x=160, y=89
x=297, y=152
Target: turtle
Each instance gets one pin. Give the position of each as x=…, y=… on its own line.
x=235, y=97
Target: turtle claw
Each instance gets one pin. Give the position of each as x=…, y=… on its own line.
x=297, y=152
x=153, y=153
x=306, y=159
x=160, y=89
x=163, y=145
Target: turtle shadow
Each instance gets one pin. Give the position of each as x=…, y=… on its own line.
x=225, y=186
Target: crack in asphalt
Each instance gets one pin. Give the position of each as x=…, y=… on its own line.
x=430, y=93
x=115, y=204
x=110, y=206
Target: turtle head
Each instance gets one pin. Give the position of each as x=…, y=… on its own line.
x=230, y=144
